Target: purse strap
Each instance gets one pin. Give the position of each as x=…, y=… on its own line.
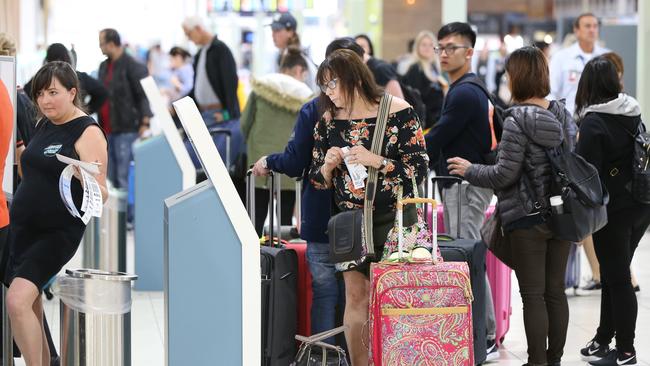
x=373, y=173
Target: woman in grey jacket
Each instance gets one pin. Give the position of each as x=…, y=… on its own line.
x=521, y=179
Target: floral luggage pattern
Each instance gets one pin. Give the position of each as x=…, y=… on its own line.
x=420, y=314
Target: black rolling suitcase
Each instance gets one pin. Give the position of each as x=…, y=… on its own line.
x=279, y=283
x=473, y=252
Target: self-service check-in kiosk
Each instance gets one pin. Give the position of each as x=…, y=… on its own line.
x=162, y=168
x=212, y=265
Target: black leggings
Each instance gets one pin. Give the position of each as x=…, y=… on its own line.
x=615, y=245
x=287, y=201
x=540, y=264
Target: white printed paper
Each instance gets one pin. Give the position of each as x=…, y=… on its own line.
x=357, y=171
x=92, y=168
x=92, y=202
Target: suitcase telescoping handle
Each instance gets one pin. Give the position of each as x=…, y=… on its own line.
x=298, y=203
x=224, y=131
x=454, y=180
x=274, y=195
x=400, y=223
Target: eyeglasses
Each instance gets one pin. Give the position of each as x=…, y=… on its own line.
x=449, y=49
x=329, y=85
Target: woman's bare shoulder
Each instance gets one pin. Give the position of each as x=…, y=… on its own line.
x=398, y=104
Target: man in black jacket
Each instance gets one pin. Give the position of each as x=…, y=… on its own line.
x=215, y=73
x=125, y=115
x=215, y=93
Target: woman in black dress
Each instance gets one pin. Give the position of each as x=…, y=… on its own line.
x=43, y=235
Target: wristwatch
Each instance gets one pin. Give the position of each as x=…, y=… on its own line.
x=265, y=164
x=383, y=163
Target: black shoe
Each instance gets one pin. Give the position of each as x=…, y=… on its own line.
x=593, y=351
x=592, y=285
x=615, y=358
x=492, y=351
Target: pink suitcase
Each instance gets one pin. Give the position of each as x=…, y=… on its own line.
x=500, y=277
x=420, y=313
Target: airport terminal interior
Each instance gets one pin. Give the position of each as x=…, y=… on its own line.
x=216, y=162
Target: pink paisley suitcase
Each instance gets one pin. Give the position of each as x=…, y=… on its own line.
x=420, y=313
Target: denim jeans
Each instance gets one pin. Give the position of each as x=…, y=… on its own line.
x=120, y=155
x=328, y=290
x=474, y=202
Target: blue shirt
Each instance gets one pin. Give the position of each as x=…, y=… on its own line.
x=295, y=162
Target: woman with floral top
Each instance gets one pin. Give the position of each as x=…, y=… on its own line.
x=351, y=98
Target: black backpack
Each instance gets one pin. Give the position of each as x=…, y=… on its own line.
x=640, y=184
x=584, y=196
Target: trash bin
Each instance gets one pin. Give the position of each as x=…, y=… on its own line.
x=90, y=244
x=110, y=251
x=95, y=311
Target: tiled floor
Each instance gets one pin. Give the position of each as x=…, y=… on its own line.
x=148, y=326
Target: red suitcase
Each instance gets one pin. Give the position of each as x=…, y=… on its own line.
x=304, y=291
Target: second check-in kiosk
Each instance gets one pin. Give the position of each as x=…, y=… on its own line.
x=162, y=168
x=212, y=265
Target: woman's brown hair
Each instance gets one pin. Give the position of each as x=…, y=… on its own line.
x=527, y=69
x=352, y=75
x=61, y=71
x=616, y=59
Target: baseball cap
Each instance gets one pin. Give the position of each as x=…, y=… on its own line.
x=284, y=21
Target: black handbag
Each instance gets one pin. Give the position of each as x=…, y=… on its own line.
x=350, y=232
x=314, y=352
x=497, y=239
x=584, y=197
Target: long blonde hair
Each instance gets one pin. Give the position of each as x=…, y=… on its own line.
x=429, y=67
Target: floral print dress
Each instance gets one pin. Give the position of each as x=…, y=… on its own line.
x=404, y=147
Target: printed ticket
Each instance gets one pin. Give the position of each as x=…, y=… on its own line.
x=92, y=202
x=357, y=171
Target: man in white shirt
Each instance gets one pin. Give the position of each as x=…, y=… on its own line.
x=568, y=63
